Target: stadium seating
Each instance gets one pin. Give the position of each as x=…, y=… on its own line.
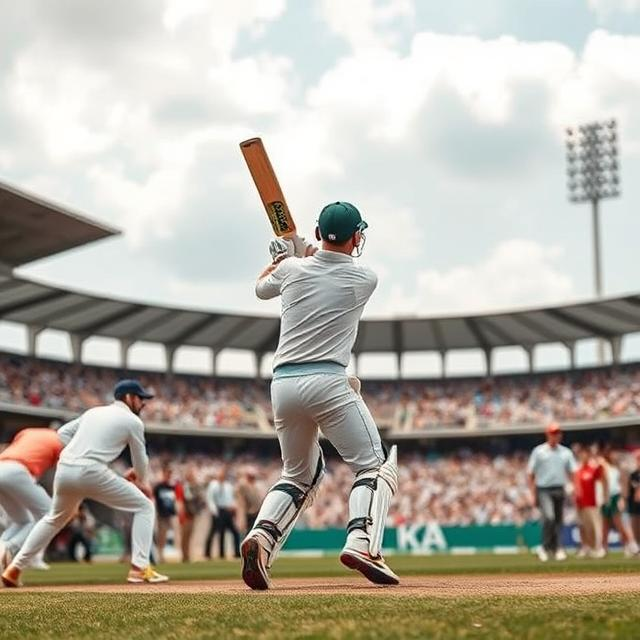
x=200, y=402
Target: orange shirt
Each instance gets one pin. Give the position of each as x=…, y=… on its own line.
x=38, y=449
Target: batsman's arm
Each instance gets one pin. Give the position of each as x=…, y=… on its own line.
x=271, y=279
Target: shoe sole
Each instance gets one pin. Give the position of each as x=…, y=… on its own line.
x=141, y=581
x=252, y=571
x=9, y=583
x=369, y=571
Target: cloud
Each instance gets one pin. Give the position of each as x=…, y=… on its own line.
x=450, y=145
x=516, y=273
x=603, y=8
x=365, y=24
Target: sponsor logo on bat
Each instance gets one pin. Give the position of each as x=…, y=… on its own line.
x=279, y=215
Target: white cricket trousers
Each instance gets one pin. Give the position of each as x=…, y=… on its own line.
x=24, y=501
x=75, y=482
x=302, y=404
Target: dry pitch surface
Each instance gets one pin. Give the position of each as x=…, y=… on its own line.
x=440, y=597
x=431, y=586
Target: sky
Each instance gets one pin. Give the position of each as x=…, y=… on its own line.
x=442, y=122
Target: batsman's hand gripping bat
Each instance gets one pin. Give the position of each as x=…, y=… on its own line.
x=268, y=187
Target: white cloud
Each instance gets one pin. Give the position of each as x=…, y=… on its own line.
x=516, y=273
x=603, y=8
x=366, y=24
x=417, y=136
x=223, y=22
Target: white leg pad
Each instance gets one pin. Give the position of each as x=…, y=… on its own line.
x=370, y=499
x=282, y=506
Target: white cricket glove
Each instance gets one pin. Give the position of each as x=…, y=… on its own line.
x=302, y=248
x=281, y=248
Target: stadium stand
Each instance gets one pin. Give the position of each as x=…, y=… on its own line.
x=598, y=396
x=452, y=484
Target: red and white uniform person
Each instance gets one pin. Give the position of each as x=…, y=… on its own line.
x=32, y=452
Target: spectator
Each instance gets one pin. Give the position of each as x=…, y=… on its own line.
x=550, y=466
x=250, y=496
x=82, y=531
x=222, y=502
x=189, y=504
x=613, y=505
x=632, y=492
x=164, y=493
x=589, y=473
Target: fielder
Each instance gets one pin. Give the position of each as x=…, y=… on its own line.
x=101, y=435
x=322, y=296
x=32, y=452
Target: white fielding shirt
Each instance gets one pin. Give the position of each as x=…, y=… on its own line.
x=322, y=299
x=220, y=495
x=103, y=433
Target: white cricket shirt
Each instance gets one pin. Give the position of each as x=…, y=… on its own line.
x=322, y=299
x=102, y=435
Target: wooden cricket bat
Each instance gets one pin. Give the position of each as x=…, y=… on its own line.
x=268, y=187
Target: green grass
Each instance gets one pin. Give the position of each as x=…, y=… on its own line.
x=71, y=573
x=271, y=616
x=118, y=616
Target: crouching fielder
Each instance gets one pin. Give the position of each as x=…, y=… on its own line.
x=323, y=296
x=32, y=452
x=101, y=435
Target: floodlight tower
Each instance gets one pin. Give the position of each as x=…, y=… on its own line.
x=593, y=174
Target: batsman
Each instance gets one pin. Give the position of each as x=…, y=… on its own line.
x=323, y=293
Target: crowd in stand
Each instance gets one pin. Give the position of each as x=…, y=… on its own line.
x=201, y=496
x=465, y=488
x=205, y=402
x=183, y=401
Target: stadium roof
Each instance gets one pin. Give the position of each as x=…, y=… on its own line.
x=85, y=315
x=32, y=228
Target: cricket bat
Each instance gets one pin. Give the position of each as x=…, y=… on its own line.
x=268, y=187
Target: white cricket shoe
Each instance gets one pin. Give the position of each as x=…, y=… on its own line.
x=560, y=555
x=581, y=553
x=355, y=555
x=598, y=553
x=40, y=565
x=543, y=556
x=254, y=565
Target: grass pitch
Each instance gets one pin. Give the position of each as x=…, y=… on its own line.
x=158, y=615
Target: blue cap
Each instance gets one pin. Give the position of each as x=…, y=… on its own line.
x=123, y=387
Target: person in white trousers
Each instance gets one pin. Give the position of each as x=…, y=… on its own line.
x=31, y=453
x=101, y=435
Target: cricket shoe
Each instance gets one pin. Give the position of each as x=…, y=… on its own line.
x=543, y=556
x=40, y=565
x=373, y=569
x=254, y=565
x=147, y=575
x=561, y=555
x=11, y=577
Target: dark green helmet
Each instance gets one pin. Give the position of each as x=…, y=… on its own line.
x=338, y=221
